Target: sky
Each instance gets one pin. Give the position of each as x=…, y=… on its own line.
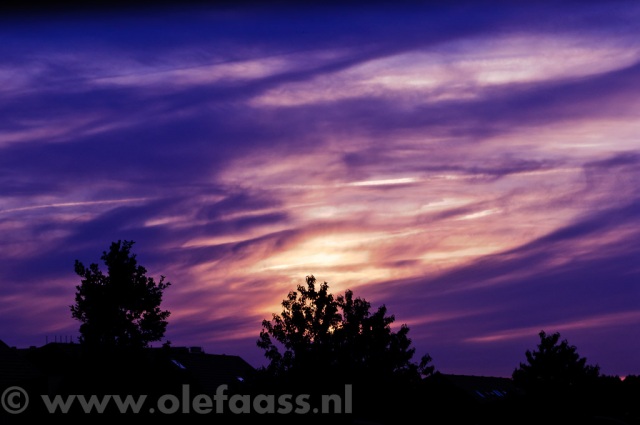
x=472, y=166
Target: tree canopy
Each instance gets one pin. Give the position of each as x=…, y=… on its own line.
x=119, y=309
x=554, y=364
x=320, y=335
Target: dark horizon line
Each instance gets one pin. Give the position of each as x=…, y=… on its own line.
x=195, y=349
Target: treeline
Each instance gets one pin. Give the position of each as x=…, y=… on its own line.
x=323, y=350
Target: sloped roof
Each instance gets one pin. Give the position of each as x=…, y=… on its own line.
x=483, y=388
x=14, y=368
x=206, y=371
x=212, y=370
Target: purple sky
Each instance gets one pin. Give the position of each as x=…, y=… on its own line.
x=474, y=166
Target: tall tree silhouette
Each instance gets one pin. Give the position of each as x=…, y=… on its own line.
x=554, y=365
x=326, y=336
x=122, y=308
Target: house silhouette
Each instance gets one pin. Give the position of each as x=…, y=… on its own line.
x=16, y=370
x=480, y=389
x=66, y=368
x=208, y=371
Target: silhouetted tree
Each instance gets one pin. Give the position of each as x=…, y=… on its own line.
x=328, y=337
x=317, y=329
x=122, y=308
x=554, y=365
x=320, y=342
x=308, y=317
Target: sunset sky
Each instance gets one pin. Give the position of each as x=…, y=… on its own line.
x=474, y=166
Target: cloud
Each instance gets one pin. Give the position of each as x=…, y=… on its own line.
x=576, y=280
x=473, y=166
